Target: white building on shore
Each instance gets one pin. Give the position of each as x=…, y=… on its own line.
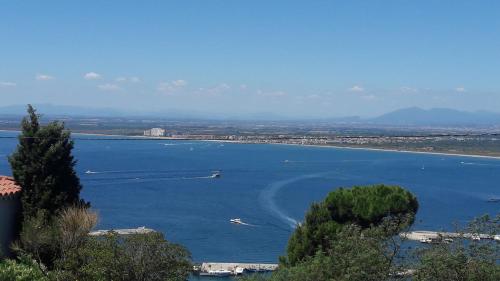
x=154, y=132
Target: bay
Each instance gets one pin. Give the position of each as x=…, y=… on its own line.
x=166, y=185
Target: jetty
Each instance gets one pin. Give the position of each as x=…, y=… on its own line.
x=127, y=231
x=212, y=268
x=436, y=236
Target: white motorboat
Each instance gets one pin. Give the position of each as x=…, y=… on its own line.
x=236, y=221
x=217, y=273
x=239, y=270
x=215, y=174
x=426, y=240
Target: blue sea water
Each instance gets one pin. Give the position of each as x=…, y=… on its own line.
x=165, y=185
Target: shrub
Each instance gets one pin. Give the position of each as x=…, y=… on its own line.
x=11, y=270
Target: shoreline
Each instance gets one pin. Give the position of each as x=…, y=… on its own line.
x=292, y=144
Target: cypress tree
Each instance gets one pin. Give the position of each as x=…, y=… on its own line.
x=44, y=167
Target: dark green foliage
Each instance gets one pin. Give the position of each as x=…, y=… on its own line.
x=363, y=206
x=143, y=257
x=39, y=240
x=62, y=250
x=374, y=254
x=44, y=167
x=463, y=259
x=11, y=270
x=357, y=254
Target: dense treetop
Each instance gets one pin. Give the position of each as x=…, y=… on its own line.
x=44, y=167
x=362, y=206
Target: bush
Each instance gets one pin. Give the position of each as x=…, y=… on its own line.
x=139, y=257
x=10, y=270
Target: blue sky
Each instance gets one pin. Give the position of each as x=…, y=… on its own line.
x=296, y=58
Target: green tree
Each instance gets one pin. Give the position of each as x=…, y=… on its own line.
x=363, y=206
x=357, y=254
x=44, y=167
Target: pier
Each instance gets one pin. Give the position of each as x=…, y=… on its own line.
x=436, y=236
x=215, y=268
x=127, y=231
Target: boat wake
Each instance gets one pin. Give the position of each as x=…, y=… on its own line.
x=476, y=164
x=267, y=198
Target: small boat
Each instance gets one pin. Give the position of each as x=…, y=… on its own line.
x=494, y=199
x=448, y=240
x=215, y=174
x=239, y=270
x=89, y=172
x=426, y=240
x=217, y=273
x=257, y=270
x=236, y=221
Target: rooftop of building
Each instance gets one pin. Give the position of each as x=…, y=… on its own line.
x=8, y=186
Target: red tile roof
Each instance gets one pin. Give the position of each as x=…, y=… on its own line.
x=8, y=186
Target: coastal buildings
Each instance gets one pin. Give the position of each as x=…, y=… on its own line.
x=10, y=206
x=154, y=132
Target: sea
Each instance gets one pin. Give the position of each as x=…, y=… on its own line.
x=168, y=186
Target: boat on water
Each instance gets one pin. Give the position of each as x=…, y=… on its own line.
x=215, y=174
x=239, y=270
x=236, y=221
x=89, y=172
x=217, y=273
x=494, y=200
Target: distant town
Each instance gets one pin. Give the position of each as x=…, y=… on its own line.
x=470, y=140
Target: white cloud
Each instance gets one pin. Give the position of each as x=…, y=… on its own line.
x=215, y=90
x=179, y=83
x=313, y=97
x=271, y=93
x=356, y=88
x=408, y=90
x=133, y=79
x=172, y=86
x=108, y=87
x=7, y=84
x=43, y=77
x=461, y=90
x=92, y=76
x=368, y=97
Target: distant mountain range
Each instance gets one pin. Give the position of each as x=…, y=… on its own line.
x=437, y=116
x=412, y=116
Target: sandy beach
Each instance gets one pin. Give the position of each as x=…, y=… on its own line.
x=309, y=145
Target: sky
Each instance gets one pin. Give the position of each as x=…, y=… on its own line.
x=238, y=58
